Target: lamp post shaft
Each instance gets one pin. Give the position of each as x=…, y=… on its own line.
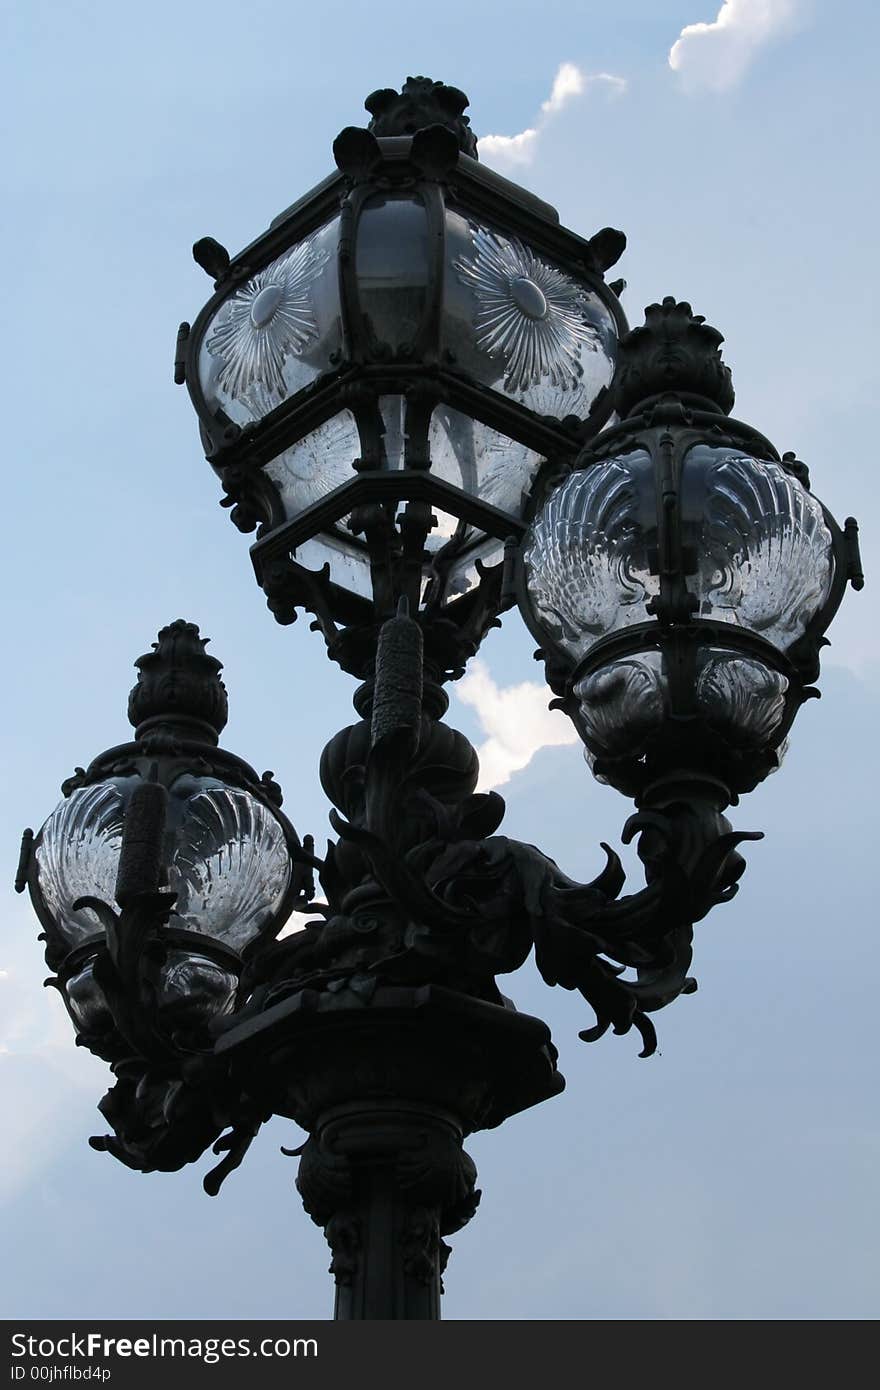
x=385, y=1238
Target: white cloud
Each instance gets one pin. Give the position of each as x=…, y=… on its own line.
x=569, y=83
x=715, y=55
x=517, y=721
x=509, y=149
x=48, y=1084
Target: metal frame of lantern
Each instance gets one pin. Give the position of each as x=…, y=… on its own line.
x=430, y=170
x=666, y=425
x=121, y=984
x=380, y=1028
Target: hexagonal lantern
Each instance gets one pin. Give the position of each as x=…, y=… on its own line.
x=381, y=375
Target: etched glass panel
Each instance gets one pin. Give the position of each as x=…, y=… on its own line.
x=276, y=333
x=78, y=856
x=228, y=860
x=321, y=461
x=87, y=1001
x=764, y=551
x=230, y=866
x=623, y=702
x=391, y=261
x=523, y=325
x=193, y=989
x=476, y=458
x=587, y=564
x=741, y=697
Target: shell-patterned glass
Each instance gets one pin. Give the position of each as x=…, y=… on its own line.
x=764, y=551
x=587, y=560
x=227, y=858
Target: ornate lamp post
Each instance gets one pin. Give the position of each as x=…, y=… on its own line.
x=420, y=392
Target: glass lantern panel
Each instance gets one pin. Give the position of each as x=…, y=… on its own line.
x=230, y=866
x=453, y=569
x=77, y=856
x=321, y=461
x=521, y=324
x=393, y=412
x=588, y=561
x=275, y=334
x=764, y=554
x=349, y=562
x=743, y=698
x=193, y=989
x=228, y=860
x=483, y=463
x=625, y=701
x=87, y=1001
x=391, y=268
x=466, y=453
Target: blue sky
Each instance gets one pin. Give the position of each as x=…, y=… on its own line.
x=733, y=1176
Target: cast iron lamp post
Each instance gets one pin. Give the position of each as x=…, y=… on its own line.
x=420, y=392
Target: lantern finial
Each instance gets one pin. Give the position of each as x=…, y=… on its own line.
x=421, y=102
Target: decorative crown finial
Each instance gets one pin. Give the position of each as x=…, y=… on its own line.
x=421, y=102
x=179, y=690
x=675, y=350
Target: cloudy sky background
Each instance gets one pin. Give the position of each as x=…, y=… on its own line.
x=734, y=1175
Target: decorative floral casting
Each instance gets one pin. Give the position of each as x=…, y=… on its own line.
x=267, y=321
x=529, y=313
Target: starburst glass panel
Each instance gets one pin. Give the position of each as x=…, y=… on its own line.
x=523, y=325
x=588, y=559
x=321, y=461
x=276, y=333
x=764, y=551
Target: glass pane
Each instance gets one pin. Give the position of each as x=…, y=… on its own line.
x=87, y=1001
x=316, y=464
x=588, y=569
x=349, y=563
x=277, y=332
x=480, y=461
x=230, y=866
x=228, y=859
x=763, y=550
x=391, y=262
x=523, y=325
x=393, y=412
x=78, y=856
x=194, y=989
x=625, y=701
x=460, y=566
x=741, y=697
